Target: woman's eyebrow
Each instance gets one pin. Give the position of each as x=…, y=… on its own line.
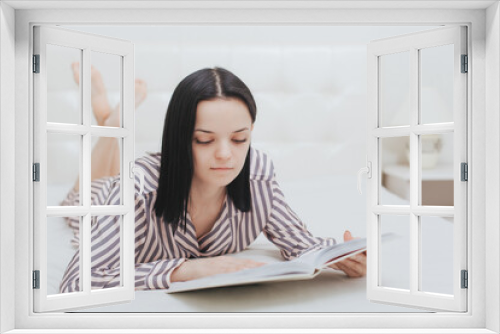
x=206, y=131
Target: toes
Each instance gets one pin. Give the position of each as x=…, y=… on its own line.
x=75, y=67
x=141, y=91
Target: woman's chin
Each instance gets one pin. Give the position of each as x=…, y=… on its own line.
x=222, y=182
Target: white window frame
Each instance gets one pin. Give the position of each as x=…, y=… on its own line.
x=484, y=148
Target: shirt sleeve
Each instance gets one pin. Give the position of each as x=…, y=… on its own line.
x=285, y=229
x=105, y=256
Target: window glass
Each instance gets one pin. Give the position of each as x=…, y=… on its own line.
x=437, y=182
x=106, y=177
x=63, y=85
x=395, y=254
x=62, y=249
x=106, y=89
x=436, y=84
x=394, y=89
x=395, y=177
x=106, y=252
x=63, y=166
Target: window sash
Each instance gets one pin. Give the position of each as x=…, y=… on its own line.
x=86, y=297
x=413, y=297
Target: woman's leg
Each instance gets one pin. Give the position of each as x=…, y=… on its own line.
x=114, y=120
x=105, y=154
x=99, y=95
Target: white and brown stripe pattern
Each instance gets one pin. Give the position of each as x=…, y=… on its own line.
x=158, y=251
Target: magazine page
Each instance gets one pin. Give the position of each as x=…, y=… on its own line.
x=324, y=257
x=304, y=267
x=287, y=270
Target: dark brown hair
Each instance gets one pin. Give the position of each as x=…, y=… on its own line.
x=176, y=170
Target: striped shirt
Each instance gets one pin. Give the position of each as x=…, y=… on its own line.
x=158, y=250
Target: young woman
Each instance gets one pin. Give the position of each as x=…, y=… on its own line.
x=207, y=194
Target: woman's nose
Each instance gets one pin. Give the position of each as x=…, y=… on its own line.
x=223, y=151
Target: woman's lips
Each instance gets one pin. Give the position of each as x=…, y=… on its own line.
x=221, y=168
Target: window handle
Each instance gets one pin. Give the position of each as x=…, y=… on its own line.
x=367, y=170
x=136, y=171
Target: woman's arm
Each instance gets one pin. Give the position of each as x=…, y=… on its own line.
x=105, y=261
x=105, y=241
x=148, y=276
x=202, y=267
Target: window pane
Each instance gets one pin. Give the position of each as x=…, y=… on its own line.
x=106, y=251
x=105, y=170
x=394, y=89
x=395, y=178
x=436, y=254
x=395, y=254
x=63, y=166
x=63, y=92
x=106, y=89
x=436, y=84
x=437, y=169
x=61, y=250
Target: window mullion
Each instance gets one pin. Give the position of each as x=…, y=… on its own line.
x=414, y=170
x=86, y=119
x=85, y=238
x=68, y=211
x=102, y=131
x=438, y=211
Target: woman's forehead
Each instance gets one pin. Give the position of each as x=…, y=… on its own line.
x=221, y=114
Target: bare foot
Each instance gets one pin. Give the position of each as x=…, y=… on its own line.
x=114, y=118
x=141, y=91
x=99, y=98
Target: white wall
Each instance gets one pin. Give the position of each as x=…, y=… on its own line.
x=492, y=185
x=7, y=168
x=298, y=75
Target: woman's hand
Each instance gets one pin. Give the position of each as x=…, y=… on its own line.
x=208, y=266
x=354, y=266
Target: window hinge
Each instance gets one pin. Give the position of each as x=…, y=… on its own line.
x=36, y=279
x=36, y=63
x=36, y=172
x=465, y=64
x=465, y=279
x=465, y=171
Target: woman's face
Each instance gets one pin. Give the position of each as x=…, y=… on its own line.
x=221, y=140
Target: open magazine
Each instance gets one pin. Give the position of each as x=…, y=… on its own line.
x=307, y=266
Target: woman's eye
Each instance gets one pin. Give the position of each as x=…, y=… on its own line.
x=238, y=141
x=203, y=142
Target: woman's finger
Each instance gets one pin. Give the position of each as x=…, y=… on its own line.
x=347, y=270
x=334, y=266
x=352, y=268
x=360, y=258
